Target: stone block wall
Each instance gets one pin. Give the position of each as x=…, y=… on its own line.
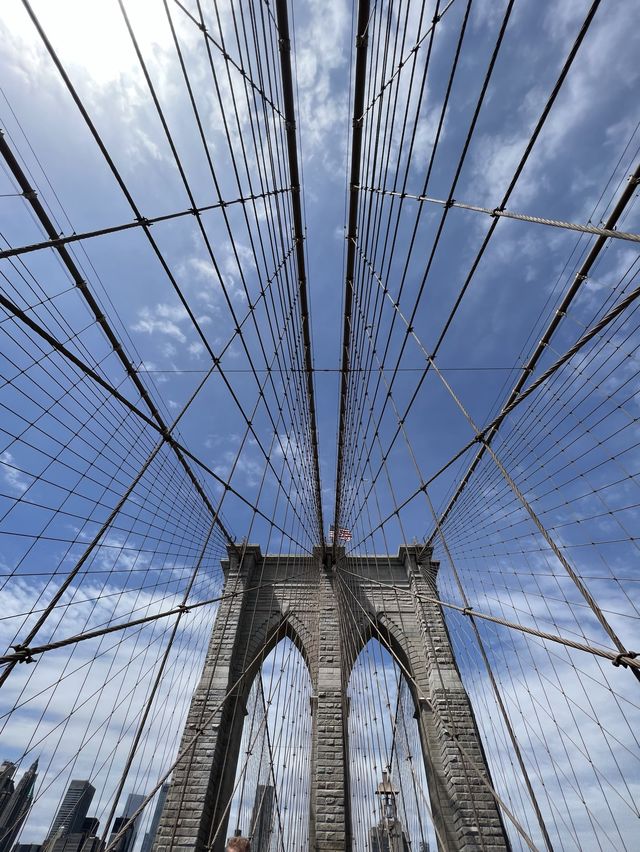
x=304, y=599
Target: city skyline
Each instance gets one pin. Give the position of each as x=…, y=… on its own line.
x=70, y=828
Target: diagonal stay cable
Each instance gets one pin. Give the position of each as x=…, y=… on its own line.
x=630, y=659
x=448, y=729
x=511, y=186
x=164, y=432
x=229, y=59
x=189, y=745
x=480, y=436
x=24, y=654
x=529, y=367
x=205, y=237
x=79, y=281
x=592, y=332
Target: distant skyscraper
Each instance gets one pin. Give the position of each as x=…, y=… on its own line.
x=262, y=818
x=16, y=808
x=7, y=771
x=128, y=839
x=78, y=841
x=91, y=825
x=387, y=835
x=150, y=836
x=73, y=810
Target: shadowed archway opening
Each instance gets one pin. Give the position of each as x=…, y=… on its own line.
x=390, y=807
x=271, y=791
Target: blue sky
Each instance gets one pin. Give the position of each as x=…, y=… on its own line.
x=576, y=170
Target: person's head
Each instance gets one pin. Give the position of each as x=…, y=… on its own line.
x=238, y=844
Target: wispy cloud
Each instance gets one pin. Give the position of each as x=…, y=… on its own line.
x=12, y=476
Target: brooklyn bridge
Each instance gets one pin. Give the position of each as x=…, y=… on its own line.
x=319, y=409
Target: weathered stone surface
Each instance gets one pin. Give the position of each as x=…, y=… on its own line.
x=298, y=597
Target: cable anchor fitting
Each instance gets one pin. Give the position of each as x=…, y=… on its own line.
x=24, y=653
x=620, y=661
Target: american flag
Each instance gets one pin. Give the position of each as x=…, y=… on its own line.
x=343, y=533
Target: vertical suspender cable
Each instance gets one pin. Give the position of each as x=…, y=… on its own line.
x=354, y=191
x=294, y=173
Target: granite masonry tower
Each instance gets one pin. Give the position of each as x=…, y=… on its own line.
x=303, y=599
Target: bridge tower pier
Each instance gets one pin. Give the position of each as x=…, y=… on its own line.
x=269, y=597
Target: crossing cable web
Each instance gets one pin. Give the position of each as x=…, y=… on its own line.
x=528, y=503
x=115, y=508
x=160, y=414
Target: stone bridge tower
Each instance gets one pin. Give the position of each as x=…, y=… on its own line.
x=273, y=596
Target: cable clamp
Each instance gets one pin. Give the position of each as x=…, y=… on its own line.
x=30, y=194
x=24, y=653
x=619, y=661
x=581, y=277
x=495, y=212
x=449, y=203
x=633, y=179
x=183, y=608
x=467, y=611
x=362, y=40
x=142, y=220
x=436, y=19
x=203, y=27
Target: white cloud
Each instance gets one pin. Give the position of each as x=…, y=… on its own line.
x=162, y=319
x=322, y=51
x=606, y=53
x=12, y=476
x=79, y=706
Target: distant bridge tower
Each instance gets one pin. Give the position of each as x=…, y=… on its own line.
x=278, y=596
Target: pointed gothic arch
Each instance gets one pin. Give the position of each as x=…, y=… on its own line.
x=302, y=599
